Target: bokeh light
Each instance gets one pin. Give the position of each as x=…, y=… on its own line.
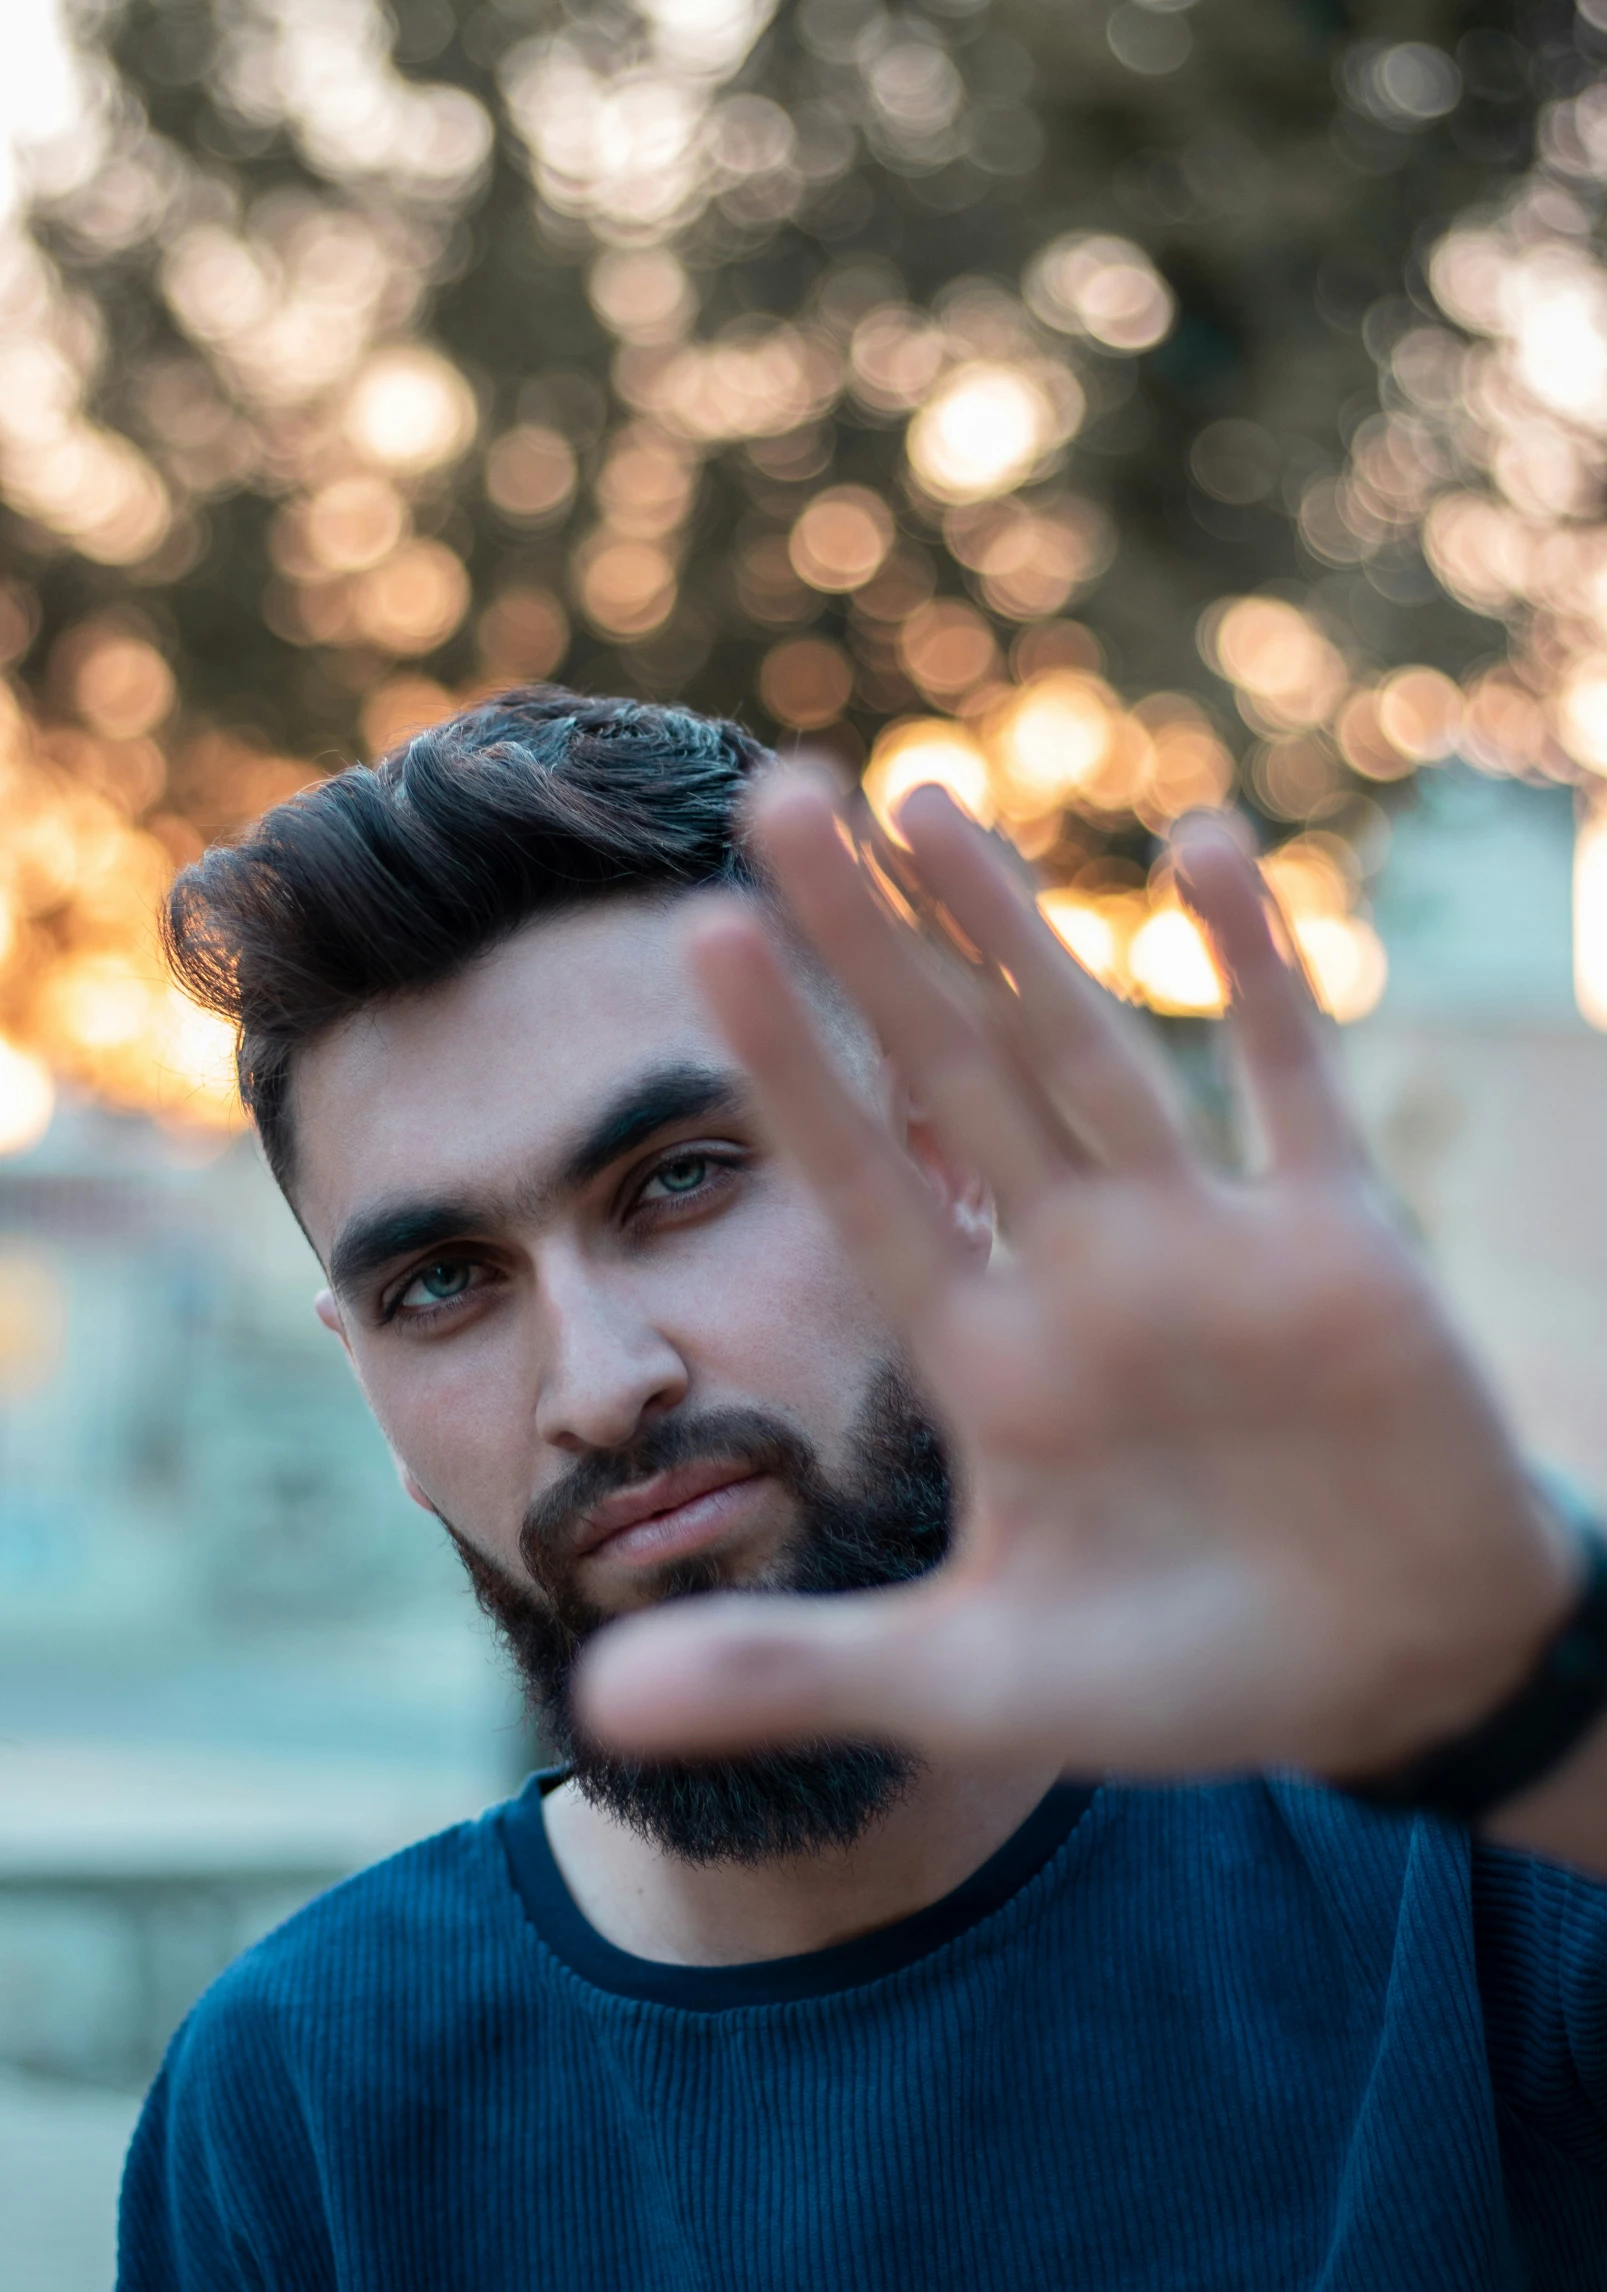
x=627, y=587
x=947, y=648
x=120, y=684
x=985, y=429
x=927, y=751
x=27, y=1099
x=842, y=539
x=410, y=410
x=805, y=682
x=1172, y=964
x=531, y=473
x=352, y=524
x=523, y=635
x=1582, y=712
x=1085, y=927
x=1106, y=288
x=421, y=441
x=414, y=600
x=1420, y=714
x=1288, y=674
x=1051, y=739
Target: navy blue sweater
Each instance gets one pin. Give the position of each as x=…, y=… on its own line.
x=1253, y=2038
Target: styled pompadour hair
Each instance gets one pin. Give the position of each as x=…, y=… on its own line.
x=390, y=879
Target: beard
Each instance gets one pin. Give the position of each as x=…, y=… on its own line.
x=885, y=1521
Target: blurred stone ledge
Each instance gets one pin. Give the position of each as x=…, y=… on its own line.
x=129, y=1879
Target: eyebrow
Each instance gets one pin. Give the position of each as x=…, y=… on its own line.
x=377, y=1237
x=647, y=1104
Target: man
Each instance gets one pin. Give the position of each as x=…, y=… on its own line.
x=660, y=1232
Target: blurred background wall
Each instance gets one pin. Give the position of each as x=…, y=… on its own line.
x=1105, y=407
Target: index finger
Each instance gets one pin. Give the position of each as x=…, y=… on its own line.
x=887, y=1215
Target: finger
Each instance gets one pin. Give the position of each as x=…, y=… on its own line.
x=1285, y=1060
x=886, y=1214
x=1152, y=1677
x=966, y=1083
x=749, y=1671
x=1081, y=1052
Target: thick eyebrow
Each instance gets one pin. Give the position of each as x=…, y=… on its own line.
x=649, y=1103
x=374, y=1239
x=377, y=1237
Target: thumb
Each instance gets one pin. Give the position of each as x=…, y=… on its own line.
x=752, y=1671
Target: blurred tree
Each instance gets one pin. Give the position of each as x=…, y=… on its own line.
x=836, y=367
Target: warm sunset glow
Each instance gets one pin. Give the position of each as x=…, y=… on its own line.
x=744, y=435
x=27, y=1099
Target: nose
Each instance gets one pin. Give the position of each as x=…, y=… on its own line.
x=609, y=1369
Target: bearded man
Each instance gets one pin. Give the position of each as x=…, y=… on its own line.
x=1063, y=1688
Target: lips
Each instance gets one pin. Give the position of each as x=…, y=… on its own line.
x=684, y=1499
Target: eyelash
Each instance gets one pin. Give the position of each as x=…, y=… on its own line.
x=723, y=1166
x=426, y=1316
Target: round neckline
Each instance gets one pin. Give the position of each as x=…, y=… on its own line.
x=576, y=1943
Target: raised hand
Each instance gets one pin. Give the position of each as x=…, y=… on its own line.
x=1232, y=1494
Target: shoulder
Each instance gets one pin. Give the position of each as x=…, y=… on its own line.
x=361, y=1951
x=314, y=2029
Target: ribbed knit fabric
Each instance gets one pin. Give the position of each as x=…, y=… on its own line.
x=1252, y=2038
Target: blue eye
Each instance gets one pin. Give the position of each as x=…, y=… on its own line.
x=438, y=1284
x=683, y=1176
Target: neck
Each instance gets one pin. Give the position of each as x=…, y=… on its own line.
x=646, y=1900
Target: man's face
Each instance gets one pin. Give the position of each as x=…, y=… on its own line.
x=610, y=1335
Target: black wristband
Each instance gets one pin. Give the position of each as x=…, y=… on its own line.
x=1536, y=1727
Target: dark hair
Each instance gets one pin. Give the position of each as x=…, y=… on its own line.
x=390, y=879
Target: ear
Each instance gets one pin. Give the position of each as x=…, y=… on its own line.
x=328, y=1313
x=963, y=1192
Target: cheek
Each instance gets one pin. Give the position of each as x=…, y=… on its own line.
x=776, y=1314
x=459, y=1416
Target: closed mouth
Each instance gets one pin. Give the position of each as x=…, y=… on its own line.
x=663, y=1509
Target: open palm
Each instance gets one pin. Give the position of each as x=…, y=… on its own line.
x=1231, y=1494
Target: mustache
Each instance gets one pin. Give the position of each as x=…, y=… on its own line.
x=745, y=1437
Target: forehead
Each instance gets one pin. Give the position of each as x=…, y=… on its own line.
x=453, y=1088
